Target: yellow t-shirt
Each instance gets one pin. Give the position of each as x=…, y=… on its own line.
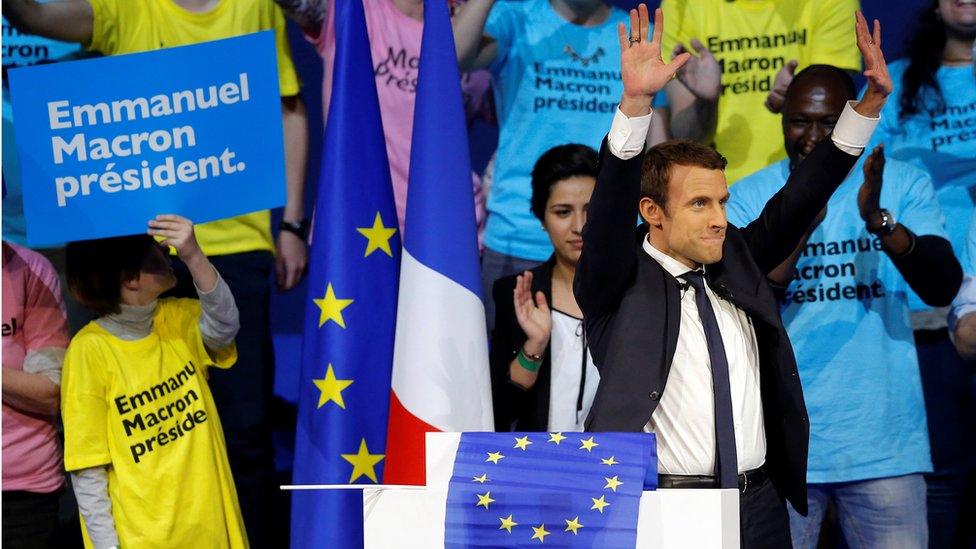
x=753, y=39
x=129, y=26
x=144, y=409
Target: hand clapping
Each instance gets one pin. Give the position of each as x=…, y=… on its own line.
x=533, y=316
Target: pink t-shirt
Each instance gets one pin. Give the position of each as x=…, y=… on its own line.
x=33, y=319
x=394, y=40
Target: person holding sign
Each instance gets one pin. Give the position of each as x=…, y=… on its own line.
x=242, y=246
x=681, y=321
x=143, y=440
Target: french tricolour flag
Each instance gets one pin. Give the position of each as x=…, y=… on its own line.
x=440, y=358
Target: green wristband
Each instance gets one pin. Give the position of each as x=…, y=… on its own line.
x=526, y=363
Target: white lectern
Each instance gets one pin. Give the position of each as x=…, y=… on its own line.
x=405, y=517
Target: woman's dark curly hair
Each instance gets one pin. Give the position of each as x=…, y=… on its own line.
x=920, y=89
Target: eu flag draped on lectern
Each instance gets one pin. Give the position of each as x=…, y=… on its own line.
x=557, y=489
x=350, y=315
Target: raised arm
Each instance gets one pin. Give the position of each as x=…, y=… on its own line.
x=609, y=253
x=219, y=319
x=693, y=96
x=67, y=20
x=475, y=49
x=774, y=235
x=308, y=14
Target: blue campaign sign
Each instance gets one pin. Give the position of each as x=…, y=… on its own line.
x=107, y=144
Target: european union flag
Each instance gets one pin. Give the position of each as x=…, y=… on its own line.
x=350, y=318
x=560, y=489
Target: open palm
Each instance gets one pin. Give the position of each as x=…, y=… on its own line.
x=643, y=71
x=533, y=315
x=875, y=67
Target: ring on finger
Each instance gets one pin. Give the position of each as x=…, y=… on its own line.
x=634, y=40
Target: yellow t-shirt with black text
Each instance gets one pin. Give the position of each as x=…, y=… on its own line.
x=130, y=26
x=753, y=39
x=143, y=409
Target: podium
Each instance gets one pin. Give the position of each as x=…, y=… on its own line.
x=413, y=517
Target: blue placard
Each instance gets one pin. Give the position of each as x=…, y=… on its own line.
x=106, y=144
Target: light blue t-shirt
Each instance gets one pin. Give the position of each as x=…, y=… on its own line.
x=555, y=83
x=942, y=142
x=20, y=50
x=846, y=311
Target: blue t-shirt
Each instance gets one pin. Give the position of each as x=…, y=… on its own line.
x=942, y=142
x=20, y=50
x=846, y=311
x=555, y=83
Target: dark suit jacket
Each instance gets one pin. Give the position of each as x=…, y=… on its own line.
x=632, y=305
x=516, y=408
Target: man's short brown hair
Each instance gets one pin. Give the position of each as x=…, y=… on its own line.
x=660, y=160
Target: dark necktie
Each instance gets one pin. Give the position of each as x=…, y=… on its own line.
x=728, y=468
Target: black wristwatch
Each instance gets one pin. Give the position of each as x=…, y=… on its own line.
x=299, y=228
x=887, y=226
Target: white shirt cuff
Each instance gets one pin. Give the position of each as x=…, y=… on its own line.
x=853, y=131
x=964, y=303
x=628, y=135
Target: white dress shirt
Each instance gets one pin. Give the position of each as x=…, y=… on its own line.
x=566, y=361
x=684, y=420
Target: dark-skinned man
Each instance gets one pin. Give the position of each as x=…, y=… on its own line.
x=680, y=318
x=844, y=305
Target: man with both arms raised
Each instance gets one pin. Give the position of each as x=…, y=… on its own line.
x=683, y=301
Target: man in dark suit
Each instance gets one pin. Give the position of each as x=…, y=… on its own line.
x=684, y=303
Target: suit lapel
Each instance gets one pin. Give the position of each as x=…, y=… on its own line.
x=671, y=308
x=743, y=298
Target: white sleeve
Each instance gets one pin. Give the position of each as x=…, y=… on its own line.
x=47, y=362
x=965, y=302
x=853, y=130
x=627, y=135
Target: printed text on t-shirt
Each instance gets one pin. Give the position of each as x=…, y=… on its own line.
x=188, y=401
x=574, y=89
x=953, y=124
x=808, y=284
x=752, y=72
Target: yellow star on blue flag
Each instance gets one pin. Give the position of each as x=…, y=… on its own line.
x=331, y=388
x=378, y=236
x=349, y=310
x=565, y=493
x=331, y=307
